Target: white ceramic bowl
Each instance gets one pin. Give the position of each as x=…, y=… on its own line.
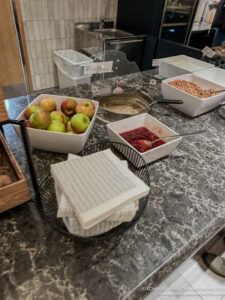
x=181, y=64
x=192, y=106
x=57, y=141
x=144, y=120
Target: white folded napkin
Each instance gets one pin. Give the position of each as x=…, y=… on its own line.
x=125, y=214
x=73, y=226
x=97, y=186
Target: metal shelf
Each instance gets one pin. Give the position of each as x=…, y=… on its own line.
x=182, y=7
x=174, y=24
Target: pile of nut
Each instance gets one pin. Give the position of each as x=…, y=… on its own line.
x=4, y=173
x=193, y=89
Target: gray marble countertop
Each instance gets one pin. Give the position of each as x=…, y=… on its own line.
x=186, y=208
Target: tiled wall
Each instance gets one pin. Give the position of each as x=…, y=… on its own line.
x=49, y=26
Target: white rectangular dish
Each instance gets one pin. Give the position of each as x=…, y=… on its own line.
x=144, y=120
x=192, y=106
x=180, y=65
x=216, y=75
x=57, y=141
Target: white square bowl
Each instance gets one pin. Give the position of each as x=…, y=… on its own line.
x=216, y=75
x=192, y=106
x=180, y=65
x=56, y=141
x=144, y=120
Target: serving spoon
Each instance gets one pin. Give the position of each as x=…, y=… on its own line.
x=150, y=143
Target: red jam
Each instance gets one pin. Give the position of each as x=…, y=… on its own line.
x=136, y=137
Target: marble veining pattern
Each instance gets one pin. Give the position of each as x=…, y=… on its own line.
x=186, y=208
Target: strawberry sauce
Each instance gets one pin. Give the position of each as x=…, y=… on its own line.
x=136, y=136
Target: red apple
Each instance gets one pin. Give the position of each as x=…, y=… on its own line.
x=80, y=123
x=28, y=123
x=40, y=119
x=68, y=107
x=31, y=109
x=85, y=107
x=48, y=104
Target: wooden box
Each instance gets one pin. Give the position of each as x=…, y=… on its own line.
x=16, y=192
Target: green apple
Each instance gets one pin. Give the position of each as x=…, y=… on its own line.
x=69, y=128
x=40, y=119
x=66, y=120
x=56, y=126
x=31, y=109
x=80, y=123
x=58, y=116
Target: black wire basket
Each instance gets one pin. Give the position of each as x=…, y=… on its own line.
x=47, y=202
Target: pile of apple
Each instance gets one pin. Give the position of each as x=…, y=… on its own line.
x=73, y=118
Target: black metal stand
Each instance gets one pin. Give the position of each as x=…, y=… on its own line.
x=27, y=149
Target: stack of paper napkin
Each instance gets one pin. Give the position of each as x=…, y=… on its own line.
x=96, y=193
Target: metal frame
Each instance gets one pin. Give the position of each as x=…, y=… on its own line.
x=189, y=25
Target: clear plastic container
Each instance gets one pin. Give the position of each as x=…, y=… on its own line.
x=70, y=65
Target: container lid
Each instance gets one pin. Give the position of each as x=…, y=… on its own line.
x=73, y=57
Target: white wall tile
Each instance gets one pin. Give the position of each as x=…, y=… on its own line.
x=71, y=9
x=76, y=10
x=72, y=43
x=47, y=29
x=45, y=9
x=35, y=66
x=45, y=65
x=67, y=29
x=49, y=48
x=80, y=10
x=38, y=49
x=33, y=49
x=71, y=27
x=62, y=29
x=47, y=80
x=50, y=65
x=99, y=4
x=57, y=29
x=36, y=30
x=53, y=45
x=31, y=67
x=50, y=9
x=37, y=83
x=30, y=30
x=27, y=10
x=66, y=9
x=85, y=9
x=22, y=9
x=56, y=9
x=40, y=66
x=41, y=30
x=44, y=48
x=33, y=9
x=52, y=29
x=61, y=9
x=39, y=10
x=67, y=43
x=42, y=81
